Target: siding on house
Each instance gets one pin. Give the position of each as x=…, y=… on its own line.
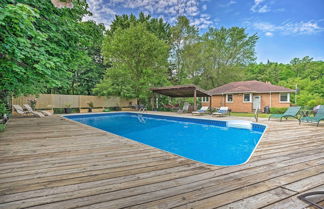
x=239, y=106
x=270, y=95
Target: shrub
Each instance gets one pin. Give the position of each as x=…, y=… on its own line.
x=115, y=108
x=3, y=110
x=277, y=110
x=2, y=127
x=61, y=110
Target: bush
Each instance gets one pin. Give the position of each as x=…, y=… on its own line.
x=3, y=110
x=61, y=110
x=114, y=108
x=278, y=110
x=2, y=127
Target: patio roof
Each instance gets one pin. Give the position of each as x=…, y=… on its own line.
x=181, y=91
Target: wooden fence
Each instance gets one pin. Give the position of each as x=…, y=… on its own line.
x=50, y=101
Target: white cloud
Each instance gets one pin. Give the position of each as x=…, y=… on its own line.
x=268, y=34
x=289, y=28
x=260, y=6
x=264, y=9
x=202, y=22
x=101, y=13
x=303, y=27
x=263, y=26
x=227, y=4
x=104, y=11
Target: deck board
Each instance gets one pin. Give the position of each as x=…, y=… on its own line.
x=56, y=163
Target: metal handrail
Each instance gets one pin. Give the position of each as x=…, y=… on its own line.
x=256, y=114
x=142, y=109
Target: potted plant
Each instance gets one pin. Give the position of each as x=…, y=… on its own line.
x=32, y=103
x=3, y=117
x=67, y=109
x=90, y=106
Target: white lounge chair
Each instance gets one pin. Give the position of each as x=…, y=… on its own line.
x=203, y=110
x=185, y=108
x=30, y=109
x=221, y=112
x=21, y=111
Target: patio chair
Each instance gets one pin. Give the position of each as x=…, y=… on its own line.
x=221, y=112
x=185, y=108
x=203, y=110
x=317, y=118
x=291, y=112
x=21, y=111
x=30, y=109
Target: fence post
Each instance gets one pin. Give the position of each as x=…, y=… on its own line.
x=79, y=103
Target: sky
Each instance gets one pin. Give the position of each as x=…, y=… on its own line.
x=286, y=28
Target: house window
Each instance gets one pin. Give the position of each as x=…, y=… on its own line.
x=229, y=98
x=284, y=97
x=247, y=97
x=204, y=99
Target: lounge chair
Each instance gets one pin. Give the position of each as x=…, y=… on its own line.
x=221, y=112
x=317, y=118
x=203, y=110
x=185, y=108
x=291, y=112
x=30, y=109
x=21, y=111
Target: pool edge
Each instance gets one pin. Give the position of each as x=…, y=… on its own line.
x=101, y=113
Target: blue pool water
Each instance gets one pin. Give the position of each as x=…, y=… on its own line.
x=207, y=141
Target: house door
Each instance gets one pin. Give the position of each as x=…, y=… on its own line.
x=256, y=102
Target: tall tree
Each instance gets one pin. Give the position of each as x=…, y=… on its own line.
x=183, y=36
x=138, y=59
x=90, y=69
x=306, y=74
x=40, y=45
x=299, y=65
x=155, y=25
x=225, y=53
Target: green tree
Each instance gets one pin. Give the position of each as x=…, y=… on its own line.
x=225, y=52
x=299, y=65
x=155, y=25
x=90, y=68
x=183, y=40
x=46, y=49
x=306, y=74
x=138, y=59
x=26, y=66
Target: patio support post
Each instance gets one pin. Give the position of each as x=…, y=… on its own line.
x=195, y=100
x=210, y=104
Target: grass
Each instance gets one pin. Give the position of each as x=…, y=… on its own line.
x=243, y=114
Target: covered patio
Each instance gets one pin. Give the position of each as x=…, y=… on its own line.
x=189, y=90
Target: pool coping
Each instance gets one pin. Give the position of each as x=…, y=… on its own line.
x=192, y=117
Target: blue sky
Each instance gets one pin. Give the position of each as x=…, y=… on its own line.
x=286, y=28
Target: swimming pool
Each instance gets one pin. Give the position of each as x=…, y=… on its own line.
x=207, y=141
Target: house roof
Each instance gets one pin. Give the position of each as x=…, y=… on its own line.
x=248, y=87
x=181, y=91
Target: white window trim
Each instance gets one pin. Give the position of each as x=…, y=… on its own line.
x=247, y=101
x=204, y=99
x=288, y=98
x=227, y=98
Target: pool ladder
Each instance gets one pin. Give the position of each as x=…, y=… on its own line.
x=142, y=109
x=140, y=118
x=256, y=114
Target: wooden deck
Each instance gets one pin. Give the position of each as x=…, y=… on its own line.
x=55, y=163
